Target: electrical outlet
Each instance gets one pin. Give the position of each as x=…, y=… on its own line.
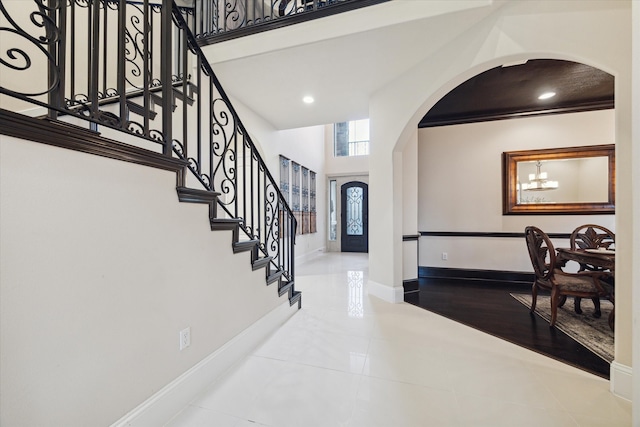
x=185, y=338
x=445, y=256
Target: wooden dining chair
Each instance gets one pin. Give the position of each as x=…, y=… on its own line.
x=584, y=284
x=592, y=236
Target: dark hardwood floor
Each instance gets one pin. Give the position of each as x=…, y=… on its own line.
x=487, y=306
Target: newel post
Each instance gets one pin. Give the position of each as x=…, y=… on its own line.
x=165, y=73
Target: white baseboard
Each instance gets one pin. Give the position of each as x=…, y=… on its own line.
x=386, y=293
x=158, y=409
x=621, y=380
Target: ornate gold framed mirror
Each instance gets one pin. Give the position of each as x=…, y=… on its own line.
x=570, y=180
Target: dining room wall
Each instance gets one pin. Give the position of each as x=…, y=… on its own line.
x=460, y=187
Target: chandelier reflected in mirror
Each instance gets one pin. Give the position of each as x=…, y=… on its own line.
x=539, y=181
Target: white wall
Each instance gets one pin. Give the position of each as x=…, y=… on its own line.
x=101, y=268
x=460, y=186
x=635, y=232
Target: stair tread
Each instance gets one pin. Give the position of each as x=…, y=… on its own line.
x=245, y=245
x=261, y=262
x=274, y=277
x=296, y=297
x=286, y=284
x=284, y=288
x=228, y=220
x=225, y=223
x=204, y=194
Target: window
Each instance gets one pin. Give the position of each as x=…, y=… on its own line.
x=351, y=138
x=333, y=205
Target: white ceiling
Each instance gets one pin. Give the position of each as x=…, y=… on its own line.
x=340, y=60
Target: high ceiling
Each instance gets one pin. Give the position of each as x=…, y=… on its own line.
x=509, y=91
x=344, y=60
x=340, y=60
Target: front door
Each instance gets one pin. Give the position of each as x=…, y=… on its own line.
x=355, y=217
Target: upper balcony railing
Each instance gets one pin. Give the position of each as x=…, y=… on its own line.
x=220, y=20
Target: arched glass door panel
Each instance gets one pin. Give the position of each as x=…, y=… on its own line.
x=355, y=217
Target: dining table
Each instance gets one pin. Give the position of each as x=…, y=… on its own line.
x=600, y=259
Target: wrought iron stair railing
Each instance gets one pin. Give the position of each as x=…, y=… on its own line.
x=220, y=20
x=132, y=72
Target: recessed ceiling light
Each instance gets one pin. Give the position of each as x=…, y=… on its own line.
x=308, y=99
x=547, y=95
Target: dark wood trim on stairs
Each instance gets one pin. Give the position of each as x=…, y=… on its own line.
x=225, y=223
x=244, y=246
x=64, y=135
x=410, y=237
x=470, y=274
x=261, y=262
x=284, y=288
x=295, y=297
x=273, y=277
x=191, y=195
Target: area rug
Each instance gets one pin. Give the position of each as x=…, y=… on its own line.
x=593, y=333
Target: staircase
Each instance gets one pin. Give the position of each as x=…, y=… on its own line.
x=127, y=80
x=258, y=260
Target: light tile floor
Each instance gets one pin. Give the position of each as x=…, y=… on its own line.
x=350, y=359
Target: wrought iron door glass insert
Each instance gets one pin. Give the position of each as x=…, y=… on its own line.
x=354, y=211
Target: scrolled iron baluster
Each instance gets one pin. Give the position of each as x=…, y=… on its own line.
x=156, y=135
x=131, y=54
x=235, y=15
x=111, y=4
x=78, y=99
x=135, y=128
x=178, y=148
x=223, y=126
x=228, y=183
x=18, y=59
x=135, y=39
x=111, y=93
x=271, y=219
x=82, y=3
